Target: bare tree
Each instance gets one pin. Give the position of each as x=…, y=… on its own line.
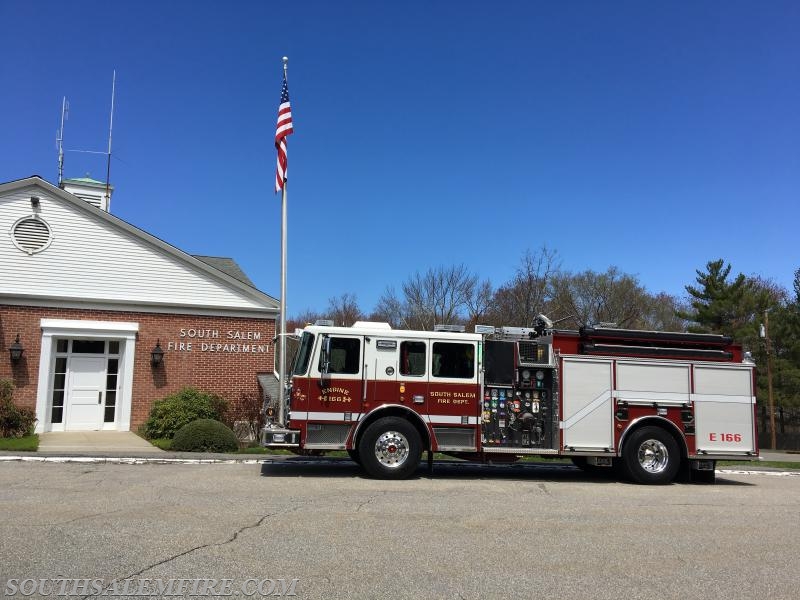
x=479, y=303
x=440, y=295
x=307, y=317
x=662, y=313
x=593, y=297
x=528, y=293
x=344, y=310
x=390, y=309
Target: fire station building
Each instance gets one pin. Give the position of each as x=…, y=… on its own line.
x=98, y=319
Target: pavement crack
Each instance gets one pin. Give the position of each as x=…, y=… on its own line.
x=231, y=539
x=369, y=500
x=544, y=489
x=82, y=517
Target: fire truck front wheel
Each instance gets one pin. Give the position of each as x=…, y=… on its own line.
x=651, y=456
x=390, y=449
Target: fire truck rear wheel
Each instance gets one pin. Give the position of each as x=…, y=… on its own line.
x=390, y=449
x=651, y=456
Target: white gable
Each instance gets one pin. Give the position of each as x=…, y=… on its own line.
x=93, y=257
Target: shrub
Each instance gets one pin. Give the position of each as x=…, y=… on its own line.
x=205, y=435
x=15, y=422
x=176, y=410
x=250, y=416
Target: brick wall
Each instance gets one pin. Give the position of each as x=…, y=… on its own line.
x=207, y=364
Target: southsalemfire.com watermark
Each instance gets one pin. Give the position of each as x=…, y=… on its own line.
x=151, y=588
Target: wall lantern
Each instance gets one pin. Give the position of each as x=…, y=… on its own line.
x=16, y=350
x=157, y=355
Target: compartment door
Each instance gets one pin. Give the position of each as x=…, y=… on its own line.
x=723, y=409
x=587, y=405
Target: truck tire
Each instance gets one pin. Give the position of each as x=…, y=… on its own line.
x=651, y=456
x=390, y=449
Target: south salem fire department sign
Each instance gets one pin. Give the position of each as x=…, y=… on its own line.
x=214, y=340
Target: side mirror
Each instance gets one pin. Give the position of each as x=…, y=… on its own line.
x=325, y=359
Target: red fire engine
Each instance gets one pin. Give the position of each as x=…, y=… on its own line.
x=649, y=403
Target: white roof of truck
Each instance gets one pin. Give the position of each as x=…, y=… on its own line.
x=384, y=330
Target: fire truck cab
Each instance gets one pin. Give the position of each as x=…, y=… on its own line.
x=647, y=403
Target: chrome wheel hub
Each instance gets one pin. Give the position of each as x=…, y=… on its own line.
x=653, y=456
x=391, y=449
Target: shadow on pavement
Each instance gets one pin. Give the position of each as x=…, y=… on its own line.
x=446, y=470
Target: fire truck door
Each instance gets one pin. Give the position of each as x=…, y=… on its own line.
x=412, y=378
x=340, y=387
x=380, y=372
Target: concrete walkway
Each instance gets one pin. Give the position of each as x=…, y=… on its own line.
x=95, y=442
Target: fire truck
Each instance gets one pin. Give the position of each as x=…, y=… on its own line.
x=649, y=404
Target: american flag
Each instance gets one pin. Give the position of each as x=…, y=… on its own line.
x=283, y=130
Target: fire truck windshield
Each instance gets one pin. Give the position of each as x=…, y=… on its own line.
x=303, y=356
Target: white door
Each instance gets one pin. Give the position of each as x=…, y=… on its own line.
x=588, y=404
x=87, y=377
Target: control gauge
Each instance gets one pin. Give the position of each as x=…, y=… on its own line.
x=540, y=375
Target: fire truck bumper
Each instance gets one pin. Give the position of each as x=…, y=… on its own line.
x=279, y=437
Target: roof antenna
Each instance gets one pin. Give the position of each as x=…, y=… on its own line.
x=60, y=139
x=110, y=128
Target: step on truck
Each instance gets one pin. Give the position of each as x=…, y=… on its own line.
x=649, y=404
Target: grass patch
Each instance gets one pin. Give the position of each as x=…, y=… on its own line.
x=28, y=443
x=758, y=463
x=163, y=443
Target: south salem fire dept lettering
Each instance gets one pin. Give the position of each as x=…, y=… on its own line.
x=653, y=404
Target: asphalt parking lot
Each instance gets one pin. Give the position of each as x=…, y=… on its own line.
x=468, y=532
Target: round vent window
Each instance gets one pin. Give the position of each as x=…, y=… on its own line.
x=31, y=235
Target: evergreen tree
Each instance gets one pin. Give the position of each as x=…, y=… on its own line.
x=784, y=333
x=718, y=305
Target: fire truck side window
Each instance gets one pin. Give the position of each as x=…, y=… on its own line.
x=412, y=358
x=345, y=356
x=453, y=360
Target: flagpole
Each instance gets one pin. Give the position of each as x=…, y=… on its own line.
x=282, y=337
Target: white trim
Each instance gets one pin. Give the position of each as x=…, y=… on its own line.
x=86, y=328
x=122, y=331
x=660, y=397
x=150, y=307
x=586, y=410
x=723, y=398
x=298, y=415
x=448, y=420
x=43, y=386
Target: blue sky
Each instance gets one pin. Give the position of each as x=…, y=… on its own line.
x=650, y=136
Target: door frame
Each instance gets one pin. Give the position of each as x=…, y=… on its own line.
x=124, y=332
